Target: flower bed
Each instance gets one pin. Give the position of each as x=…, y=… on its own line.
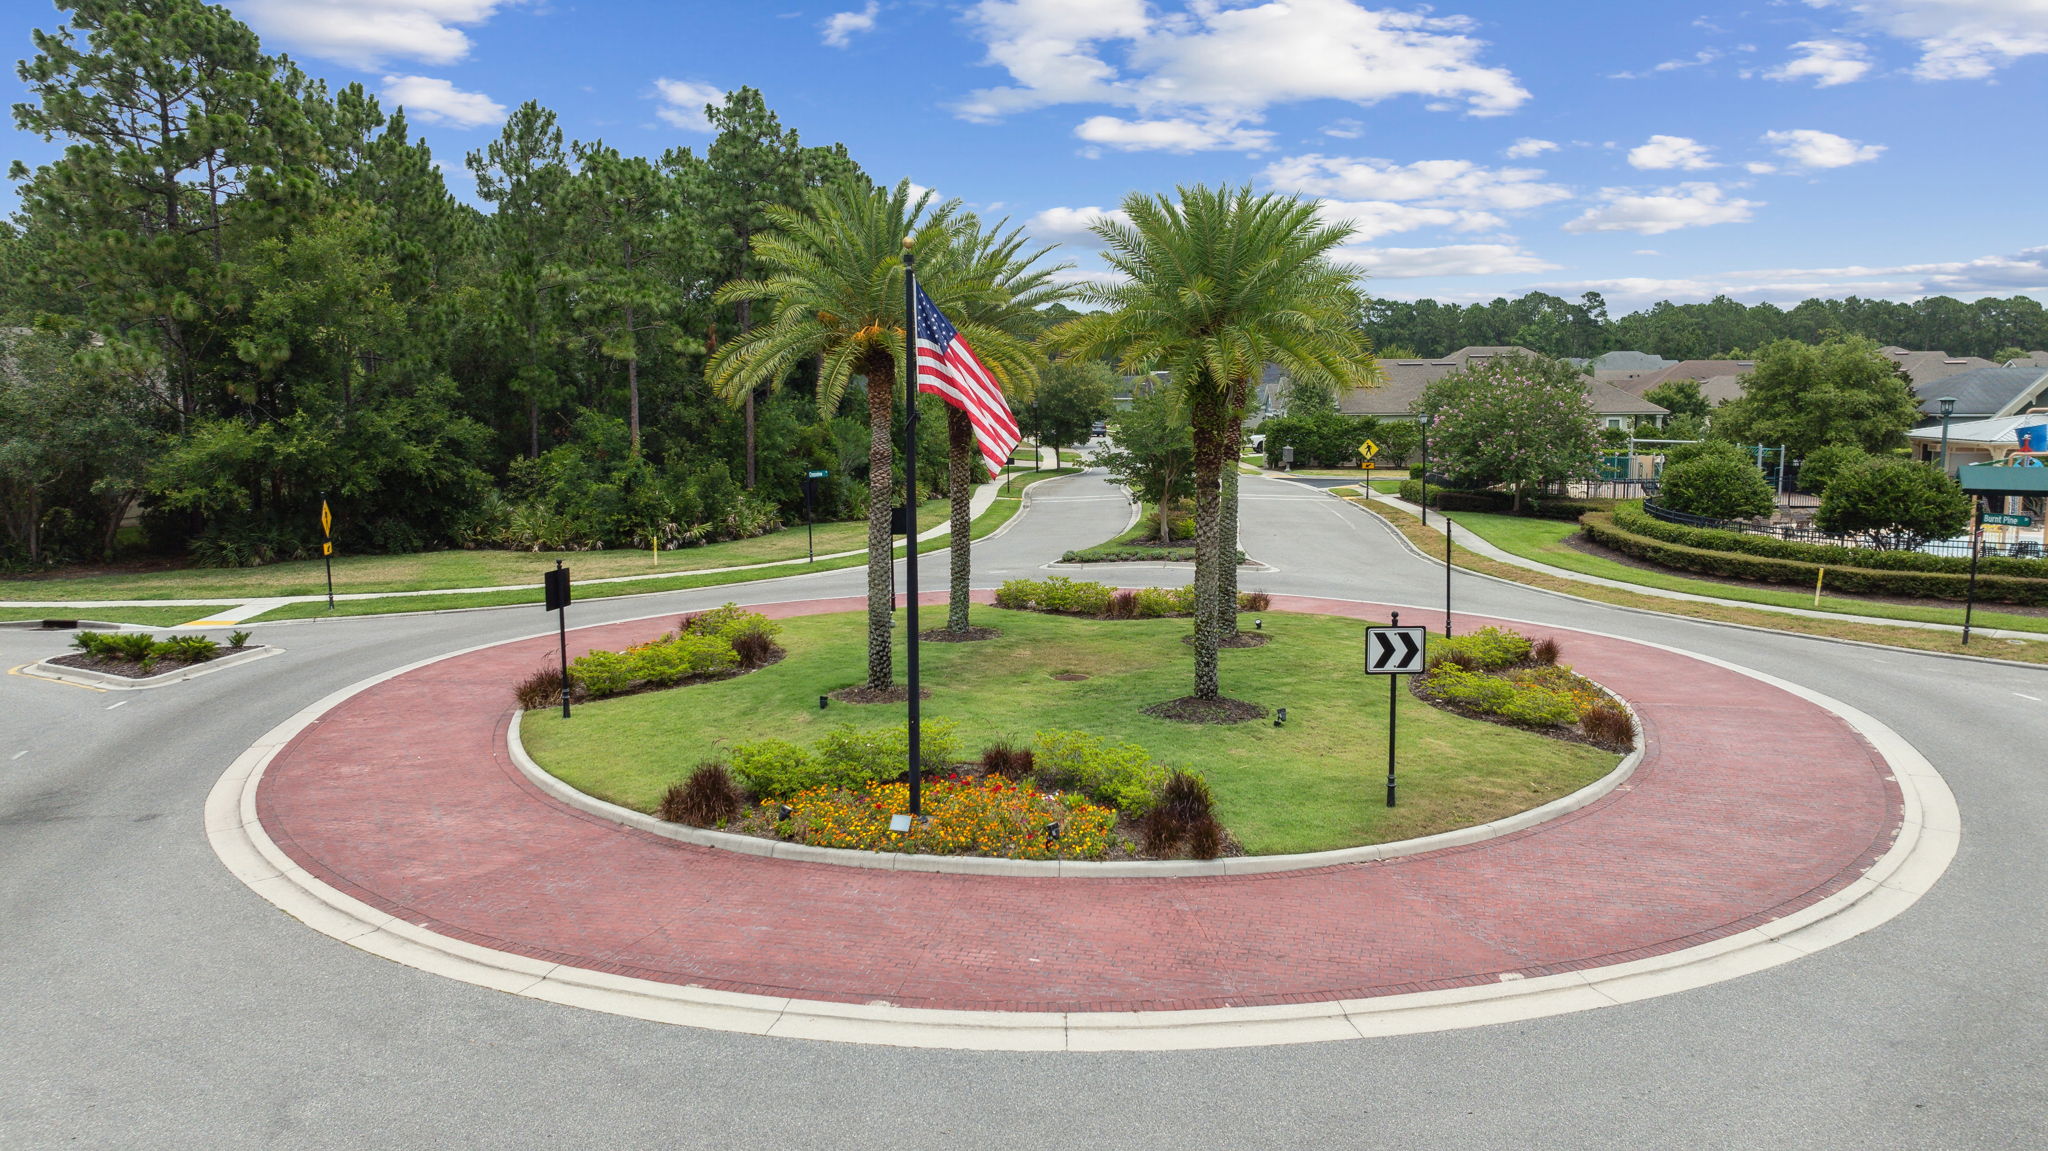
x=138, y=655
x=706, y=645
x=986, y=816
x=1499, y=674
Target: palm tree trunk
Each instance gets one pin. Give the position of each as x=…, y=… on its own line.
x=960, y=486
x=881, y=376
x=1208, y=420
x=1226, y=569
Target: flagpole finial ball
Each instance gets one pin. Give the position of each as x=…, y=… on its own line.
x=906, y=243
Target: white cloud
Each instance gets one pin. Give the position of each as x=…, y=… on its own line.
x=683, y=102
x=1671, y=152
x=1958, y=39
x=840, y=27
x=1172, y=135
x=1811, y=149
x=1527, y=147
x=1345, y=129
x=1760, y=167
x=2023, y=271
x=1435, y=183
x=1826, y=62
x=1071, y=225
x=363, y=33
x=1704, y=56
x=1450, y=260
x=1690, y=205
x=1371, y=219
x=1229, y=62
x=439, y=102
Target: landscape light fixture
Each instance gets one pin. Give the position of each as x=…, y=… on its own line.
x=822, y=701
x=1258, y=625
x=1052, y=831
x=783, y=813
x=1948, y=407
x=1280, y=717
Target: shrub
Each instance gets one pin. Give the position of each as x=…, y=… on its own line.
x=753, y=650
x=1898, y=503
x=187, y=648
x=674, y=658
x=1607, y=725
x=1123, y=604
x=1721, y=486
x=1544, y=651
x=603, y=673
x=1476, y=690
x=1181, y=804
x=1007, y=760
x=1823, y=464
x=1016, y=594
x=1490, y=648
x=1254, y=601
x=1631, y=518
x=1122, y=776
x=1073, y=597
x=1534, y=705
x=541, y=688
x=852, y=755
x=1205, y=839
x=730, y=622
x=1163, y=602
x=963, y=817
x=775, y=768
x=237, y=639
x=1677, y=454
x=709, y=798
x=93, y=643
x=132, y=645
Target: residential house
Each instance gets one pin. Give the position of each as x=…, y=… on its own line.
x=1926, y=367
x=1983, y=394
x=1720, y=380
x=1405, y=379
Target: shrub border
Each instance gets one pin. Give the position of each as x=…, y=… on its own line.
x=1632, y=517
x=108, y=681
x=1601, y=528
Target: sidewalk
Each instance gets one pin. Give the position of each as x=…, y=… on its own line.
x=1472, y=541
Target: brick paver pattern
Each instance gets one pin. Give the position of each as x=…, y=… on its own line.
x=1750, y=803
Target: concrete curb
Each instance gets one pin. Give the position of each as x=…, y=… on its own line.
x=1064, y=868
x=106, y=681
x=1926, y=843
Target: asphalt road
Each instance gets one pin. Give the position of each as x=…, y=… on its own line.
x=152, y=1001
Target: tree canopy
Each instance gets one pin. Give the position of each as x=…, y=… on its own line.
x=1516, y=422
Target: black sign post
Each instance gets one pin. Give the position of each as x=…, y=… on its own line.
x=1394, y=651
x=557, y=589
x=1447, y=576
x=327, y=546
x=811, y=479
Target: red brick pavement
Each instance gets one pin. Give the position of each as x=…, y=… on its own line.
x=1750, y=803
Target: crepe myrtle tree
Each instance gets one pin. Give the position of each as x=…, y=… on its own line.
x=1517, y=422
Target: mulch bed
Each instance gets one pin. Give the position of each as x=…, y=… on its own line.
x=971, y=635
x=129, y=669
x=1188, y=709
x=895, y=693
x=1070, y=677
x=1241, y=639
x=1564, y=734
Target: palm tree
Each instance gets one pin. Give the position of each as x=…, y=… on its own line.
x=835, y=291
x=1216, y=285
x=992, y=294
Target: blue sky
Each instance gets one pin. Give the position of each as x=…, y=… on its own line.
x=1643, y=149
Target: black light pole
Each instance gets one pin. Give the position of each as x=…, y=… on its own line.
x=1447, y=577
x=1976, y=548
x=910, y=515
x=1948, y=407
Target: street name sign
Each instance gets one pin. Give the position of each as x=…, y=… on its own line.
x=1394, y=650
x=2009, y=520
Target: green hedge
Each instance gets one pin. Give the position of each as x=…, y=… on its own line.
x=1849, y=580
x=1631, y=517
x=1497, y=503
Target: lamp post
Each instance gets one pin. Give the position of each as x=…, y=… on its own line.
x=1948, y=407
x=1424, y=419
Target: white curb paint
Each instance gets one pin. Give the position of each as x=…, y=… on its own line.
x=1925, y=845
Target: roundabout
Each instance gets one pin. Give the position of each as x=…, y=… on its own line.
x=392, y=816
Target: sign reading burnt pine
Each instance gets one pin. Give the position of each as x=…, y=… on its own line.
x=1393, y=652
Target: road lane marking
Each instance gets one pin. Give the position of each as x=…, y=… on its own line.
x=120, y=703
x=19, y=754
x=2024, y=695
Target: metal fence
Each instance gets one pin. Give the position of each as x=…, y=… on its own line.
x=1960, y=548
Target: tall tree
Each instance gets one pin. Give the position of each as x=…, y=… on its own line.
x=1844, y=391
x=1218, y=283
x=632, y=253
x=834, y=286
x=1519, y=422
x=520, y=175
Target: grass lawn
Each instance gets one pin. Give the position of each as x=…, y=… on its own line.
x=423, y=571
x=1317, y=783
x=139, y=616
x=998, y=514
x=1918, y=639
x=1543, y=540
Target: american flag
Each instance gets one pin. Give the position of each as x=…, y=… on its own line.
x=946, y=367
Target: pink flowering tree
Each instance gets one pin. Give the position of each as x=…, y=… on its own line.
x=1521, y=423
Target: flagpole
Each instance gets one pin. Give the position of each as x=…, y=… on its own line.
x=910, y=515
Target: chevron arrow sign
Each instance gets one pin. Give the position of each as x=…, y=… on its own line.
x=1394, y=650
